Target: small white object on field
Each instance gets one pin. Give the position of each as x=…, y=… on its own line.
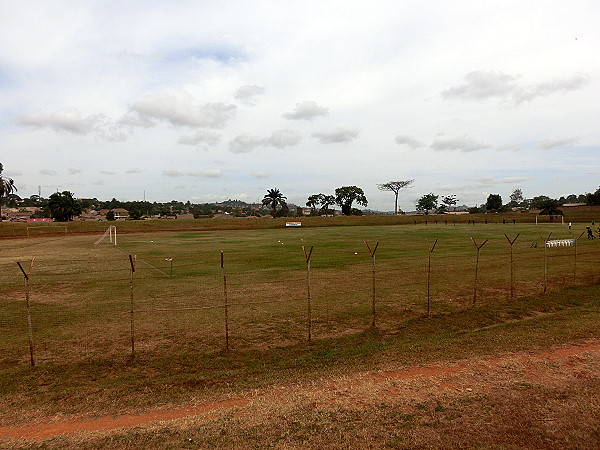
x=151, y=241
x=356, y=253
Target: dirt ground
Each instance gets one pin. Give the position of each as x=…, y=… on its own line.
x=551, y=398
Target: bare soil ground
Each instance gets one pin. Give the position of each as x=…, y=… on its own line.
x=517, y=400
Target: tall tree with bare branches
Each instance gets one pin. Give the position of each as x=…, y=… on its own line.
x=395, y=186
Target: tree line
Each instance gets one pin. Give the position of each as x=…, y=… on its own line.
x=62, y=206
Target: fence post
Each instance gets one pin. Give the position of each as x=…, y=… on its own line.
x=307, y=259
x=575, y=259
x=545, y=260
x=478, y=247
x=429, y=275
x=226, y=304
x=372, y=253
x=132, y=261
x=26, y=276
x=511, y=264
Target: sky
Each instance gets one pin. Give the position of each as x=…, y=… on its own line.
x=210, y=100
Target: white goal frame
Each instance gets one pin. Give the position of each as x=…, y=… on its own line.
x=111, y=232
x=562, y=218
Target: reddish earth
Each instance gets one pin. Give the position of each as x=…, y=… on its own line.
x=364, y=388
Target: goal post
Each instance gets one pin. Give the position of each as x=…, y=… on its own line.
x=554, y=218
x=111, y=233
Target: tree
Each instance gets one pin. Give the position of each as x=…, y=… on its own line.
x=136, y=214
x=346, y=195
x=550, y=208
x=312, y=202
x=326, y=201
x=63, y=206
x=7, y=187
x=493, y=203
x=395, y=186
x=447, y=202
x=110, y=216
x=593, y=199
x=274, y=198
x=516, y=198
x=427, y=203
x=540, y=202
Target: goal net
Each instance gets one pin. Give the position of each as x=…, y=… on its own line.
x=550, y=219
x=43, y=230
x=109, y=236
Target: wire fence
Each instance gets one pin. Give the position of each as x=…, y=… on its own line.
x=114, y=304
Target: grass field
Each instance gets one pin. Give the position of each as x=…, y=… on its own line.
x=80, y=296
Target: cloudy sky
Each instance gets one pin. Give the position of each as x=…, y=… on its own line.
x=209, y=100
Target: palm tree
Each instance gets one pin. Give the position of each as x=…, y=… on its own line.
x=7, y=187
x=63, y=206
x=274, y=198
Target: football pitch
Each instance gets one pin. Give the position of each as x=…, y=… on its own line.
x=199, y=291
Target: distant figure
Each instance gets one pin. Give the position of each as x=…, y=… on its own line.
x=590, y=234
x=570, y=225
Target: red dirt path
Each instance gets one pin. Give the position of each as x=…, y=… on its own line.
x=441, y=373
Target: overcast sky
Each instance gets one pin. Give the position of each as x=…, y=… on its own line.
x=210, y=100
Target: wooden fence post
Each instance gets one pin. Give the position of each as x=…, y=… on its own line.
x=478, y=247
x=511, y=264
x=225, y=301
x=372, y=253
x=26, y=276
x=309, y=306
x=132, y=261
x=429, y=275
x=546, y=260
x=575, y=259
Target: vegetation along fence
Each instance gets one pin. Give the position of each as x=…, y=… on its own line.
x=64, y=299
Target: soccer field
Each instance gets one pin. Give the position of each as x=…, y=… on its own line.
x=82, y=296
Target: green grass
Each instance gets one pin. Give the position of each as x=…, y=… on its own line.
x=80, y=296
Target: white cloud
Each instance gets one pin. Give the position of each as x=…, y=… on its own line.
x=13, y=173
x=547, y=88
x=480, y=85
x=74, y=171
x=339, y=134
x=133, y=170
x=107, y=172
x=283, y=138
x=211, y=173
x=180, y=110
x=460, y=143
x=49, y=172
x=491, y=181
x=202, y=137
x=409, y=141
x=260, y=174
x=553, y=142
x=246, y=142
x=70, y=120
x=248, y=94
x=306, y=110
